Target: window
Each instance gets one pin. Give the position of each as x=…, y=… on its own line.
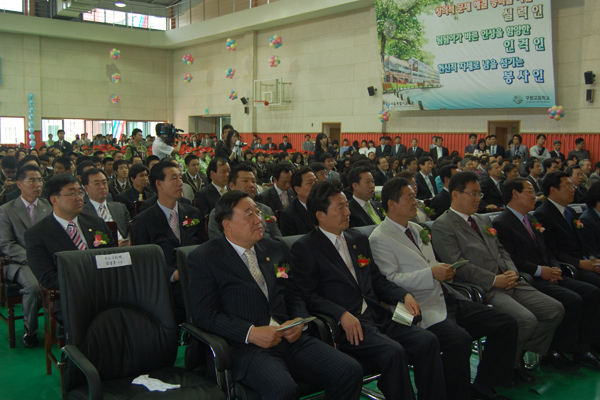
x=51, y=126
x=72, y=128
x=12, y=5
x=124, y=18
x=12, y=130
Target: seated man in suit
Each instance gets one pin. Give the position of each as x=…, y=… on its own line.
x=441, y=202
x=562, y=231
x=460, y=234
x=522, y=238
x=235, y=293
x=67, y=228
x=294, y=220
x=193, y=176
x=381, y=175
x=576, y=175
x=95, y=183
x=491, y=187
x=242, y=178
x=534, y=168
x=328, y=160
x=408, y=261
x=218, y=175
x=426, y=187
x=138, y=176
x=333, y=269
x=121, y=181
x=363, y=209
x=591, y=219
x=16, y=217
x=169, y=223
x=320, y=170
x=280, y=194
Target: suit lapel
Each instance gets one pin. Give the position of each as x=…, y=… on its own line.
x=335, y=257
x=265, y=268
x=361, y=212
x=61, y=236
x=162, y=223
x=22, y=213
x=401, y=237
x=467, y=228
x=523, y=230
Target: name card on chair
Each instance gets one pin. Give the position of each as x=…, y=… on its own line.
x=113, y=260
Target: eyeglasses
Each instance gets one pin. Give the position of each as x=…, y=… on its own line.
x=81, y=194
x=478, y=195
x=572, y=187
x=100, y=183
x=33, y=181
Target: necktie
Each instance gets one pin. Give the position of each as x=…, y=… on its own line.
x=222, y=191
x=284, y=199
x=173, y=223
x=372, y=213
x=429, y=185
x=528, y=226
x=342, y=248
x=103, y=212
x=32, y=213
x=474, y=226
x=75, y=236
x=410, y=236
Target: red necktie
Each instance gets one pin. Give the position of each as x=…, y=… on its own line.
x=410, y=236
x=474, y=226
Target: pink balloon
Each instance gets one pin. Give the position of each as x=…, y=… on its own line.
x=559, y=111
x=550, y=109
x=551, y=116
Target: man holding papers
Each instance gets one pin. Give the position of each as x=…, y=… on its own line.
x=402, y=250
x=239, y=290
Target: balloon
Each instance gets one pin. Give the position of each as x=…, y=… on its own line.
x=384, y=116
x=551, y=116
x=231, y=44
x=115, y=98
x=552, y=112
x=549, y=110
x=557, y=118
x=31, y=117
x=31, y=136
x=32, y=143
x=31, y=109
x=275, y=41
x=30, y=95
x=560, y=108
x=559, y=111
x=31, y=103
x=115, y=54
x=233, y=95
x=229, y=73
x=188, y=59
x=274, y=61
x=556, y=112
x=116, y=77
x=187, y=78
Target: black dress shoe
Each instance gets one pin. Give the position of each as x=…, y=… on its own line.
x=30, y=341
x=588, y=359
x=559, y=361
x=489, y=394
x=524, y=376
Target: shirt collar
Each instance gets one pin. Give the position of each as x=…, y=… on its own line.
x=238, y=249
x=167, y=211
x=397, y=225
x=463, y=216
x=96, y=204
x=35, y=202
x=423, y=175
x=360, y=202
x=64, y=223
x=279, y=191
x=219, y=188
x=332, y=237
x=517, y=214
x=560, y=208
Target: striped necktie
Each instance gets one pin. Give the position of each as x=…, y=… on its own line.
x=103, y=212
x=75, y=236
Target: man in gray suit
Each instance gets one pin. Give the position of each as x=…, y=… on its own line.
x=95, y=183
x=518, y=149
x=242, y=178
x=207, y=141
x=16, y=217
x=460, y=234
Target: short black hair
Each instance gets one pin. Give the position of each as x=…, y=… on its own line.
x=410, y=159
x=118, y=163
x=460, y=180
x=135, y=131
x=225, y=205
x=235, y=172
x=9, y=162
x=85, y=177
x=557, y=142
x=552, y=180
x=597, y=165
x=82, y=159
x=281, y=167
x=392, y=190
x=158, y=171
x=323, y=157
x=151, y=158
x=472, y=135
x=422, y=160
x=547, y=163
x=64, y=161
x=570, y=170
x=22, y=172
x=213, y=165
x=579, y=140
x=57, y=183
x=592, y=197
x=297, y=176
x=189, y=158
x=227, y=126
x=541, y=135
x=136, y=169
x=531, y=164
x=81, y=167
x=96, y=159
x=96, y=153
x=446, y=172
x=515, y=157
x=354, y=175
x=516, y=135
x=27, y=159
x=317, y=166
x=106, y=160
x=510, y=185
x=509, y=167
x=319, y=197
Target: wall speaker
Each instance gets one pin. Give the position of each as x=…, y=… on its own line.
x=589, y=95
x=589, y=77
x=372, y=91
x=244, y=100
x=246, y=110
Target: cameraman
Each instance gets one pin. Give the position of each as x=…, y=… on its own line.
x=159, y=147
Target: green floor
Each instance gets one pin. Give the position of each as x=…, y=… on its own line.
x=23, y=376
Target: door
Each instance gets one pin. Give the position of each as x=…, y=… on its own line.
x=333, y=130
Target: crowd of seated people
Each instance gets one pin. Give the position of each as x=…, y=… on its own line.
x=427, y=209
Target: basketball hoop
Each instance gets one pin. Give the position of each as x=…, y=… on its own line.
x=260, y=103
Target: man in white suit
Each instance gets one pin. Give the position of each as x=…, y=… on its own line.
x=15, y=219
x=408, y=261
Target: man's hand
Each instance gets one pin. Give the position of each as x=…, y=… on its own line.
x=556, y=275
x=588, y=265
x=411, y=304
x=265, y=336
x=351, y=325
x=176, y=275
x=507, y=280
x=293, y=334
x=547, y=273
x=492, y=207
x=540, y=198
x=443, y=272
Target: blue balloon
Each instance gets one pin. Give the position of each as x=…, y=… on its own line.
x=31, y=103
x=30, y=96
x=32, y=143
x=31, y=124
x=552, y=112
x=31, y=117
x=31, y=110
x=31, y=136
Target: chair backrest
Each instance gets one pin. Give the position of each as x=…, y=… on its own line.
x=114, y=229
x=365, y=230
x=289, y=241
x=492, y=215
x=137, y=207
x=278, y=218
x=579, y=208
x=120, y=317
x=181, y=254
x=206, y=220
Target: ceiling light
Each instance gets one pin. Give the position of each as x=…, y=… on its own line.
x=120, y=4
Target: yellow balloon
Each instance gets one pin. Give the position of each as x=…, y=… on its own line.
x=560, y=108
x=557, y=117
x=271, y=44
x=554, y=108
x=275, y=37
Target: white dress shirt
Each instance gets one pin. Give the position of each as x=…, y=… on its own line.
x=64, y=223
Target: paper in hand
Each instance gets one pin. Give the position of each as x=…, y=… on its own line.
x=293, y=324
x=459, y=264
x=402, y=315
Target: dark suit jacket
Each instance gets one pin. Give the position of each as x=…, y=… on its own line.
x=417, y=153
x=536, y=185
x=115, y=189
x=580, y=194
x=386, y=150
x=526, y=253
x=285, y=146
x=129, y=197
x=434, y=154
x=440, y=203
x=398, y=151
x=151, y=201
x=186, y=178
x=553, y=154
x=47, y=237
x=294, y=220
x=491, y=194
x=65, y=146
x=118, y=212
x=381, y=177
x=271, y=199
x=499, y=151
x=205, y=199
x=423, y=191
x=328, y=287
x=359, y=217
x=591, y=229
x=268, y=146
x=565, y=241
x=227, y=301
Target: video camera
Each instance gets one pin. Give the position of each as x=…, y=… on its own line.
x=167, y=132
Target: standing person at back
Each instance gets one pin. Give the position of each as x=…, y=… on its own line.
x=518, y=149
x=579, y=150
x=218, y=175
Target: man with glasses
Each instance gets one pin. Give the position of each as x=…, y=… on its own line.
x=16, y=217
x=461, y=234
x=95, y=183
x=63, y=230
